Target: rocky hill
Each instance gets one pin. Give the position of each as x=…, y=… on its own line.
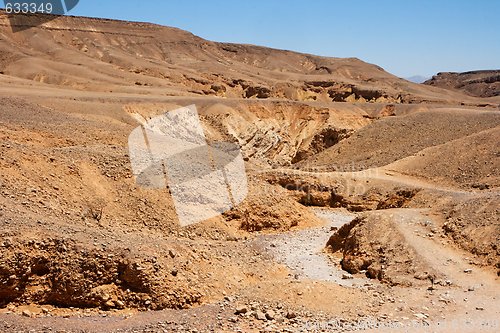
x=130, y=57
x=485, y=83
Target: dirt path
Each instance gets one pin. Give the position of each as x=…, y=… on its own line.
x=474, y=292
x=302, y=251
x=385, y=174
x=484, y=287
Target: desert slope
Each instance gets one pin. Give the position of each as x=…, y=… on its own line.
x=107, y=55
x=392, y=138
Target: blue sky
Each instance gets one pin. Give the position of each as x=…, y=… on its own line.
x=418, y=37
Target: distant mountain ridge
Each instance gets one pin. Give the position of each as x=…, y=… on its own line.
x=417, y=78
